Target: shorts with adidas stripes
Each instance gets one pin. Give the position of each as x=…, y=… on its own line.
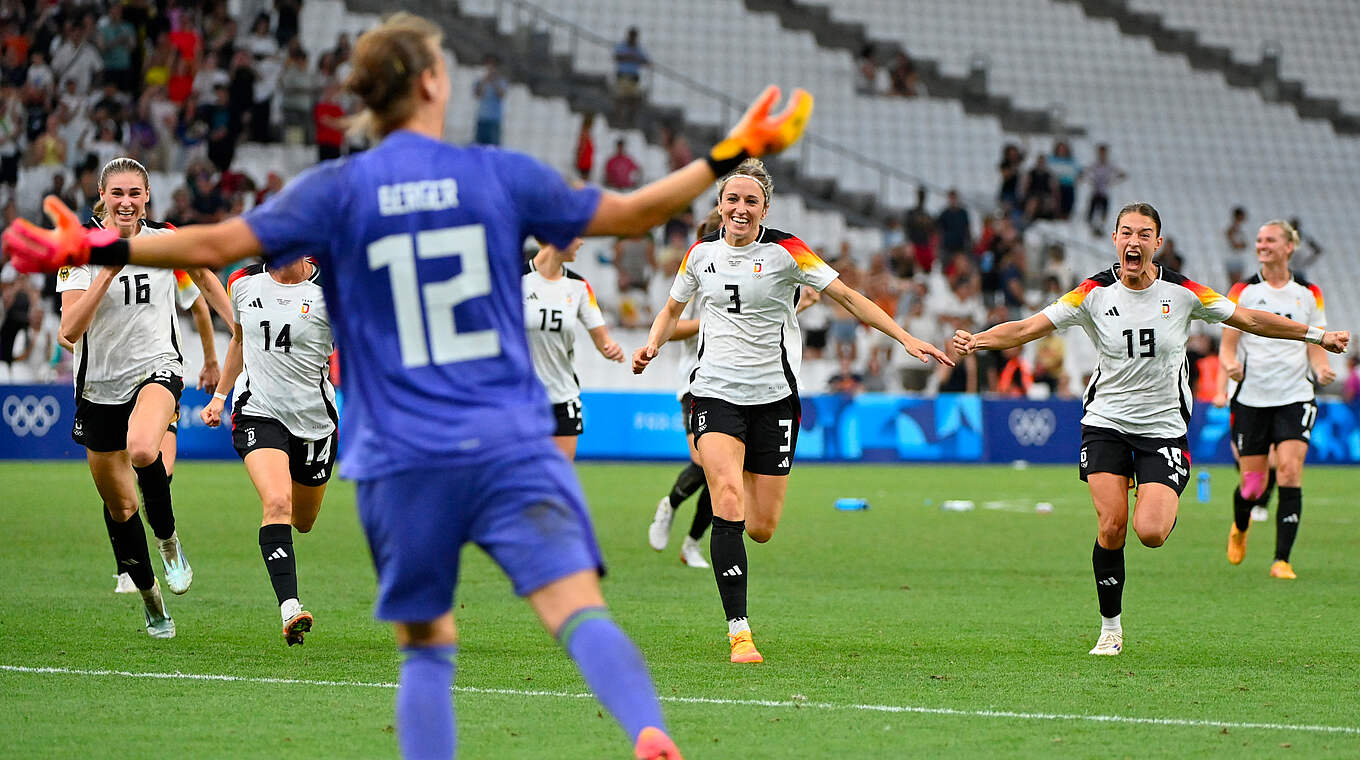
x=309, y=462
x=1138, y=458
x=770, y=431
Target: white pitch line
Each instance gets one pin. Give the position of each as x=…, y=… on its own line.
x=796, y=704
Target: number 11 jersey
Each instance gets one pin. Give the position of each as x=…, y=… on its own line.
x=1141, y=385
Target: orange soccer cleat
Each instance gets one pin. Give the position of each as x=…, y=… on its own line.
x=1237, y=544
x=743, y=648
x=653, y=744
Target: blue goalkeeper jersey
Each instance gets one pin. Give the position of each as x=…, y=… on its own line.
x=421, y=252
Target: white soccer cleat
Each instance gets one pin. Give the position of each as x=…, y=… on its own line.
x=692, y=553
x=178, y=574
x=1110, y=643
x=1260, y=514
x=159, y=624
x=124, y=584
x=659, y=534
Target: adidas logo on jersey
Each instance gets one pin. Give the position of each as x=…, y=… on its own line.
x=1111, y=581
x=711, y=269
x=278, y=553
x=732, y=572
x=531, y=297
x=256, y=304
x=1113, y=312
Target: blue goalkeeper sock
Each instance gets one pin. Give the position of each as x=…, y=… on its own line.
x=613, y=669
x=425, y=722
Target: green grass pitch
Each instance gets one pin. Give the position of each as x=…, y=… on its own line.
x=901, y=631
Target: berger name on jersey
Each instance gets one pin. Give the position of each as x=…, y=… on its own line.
x=750, y=348
x=1276, y=371
x=1141, y=385
x=409, y=197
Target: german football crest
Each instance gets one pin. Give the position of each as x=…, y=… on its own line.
x=306, y=308
x=1166, y=308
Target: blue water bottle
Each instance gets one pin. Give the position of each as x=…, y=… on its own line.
x=1203, y=479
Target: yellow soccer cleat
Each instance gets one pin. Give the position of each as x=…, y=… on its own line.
x=1237, y=544
x=653, y=744
x=1281, y=569
x=743, y=648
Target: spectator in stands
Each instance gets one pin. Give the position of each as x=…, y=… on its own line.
x=298, y=91
x=328, y=120
x=585, y=147
x=1169, y=257
x=1041, y=192
x=490, y=93
x=260, y=42
x=678, y=153
x=1009, y=193
x=116, y=39
x=1314, y=250
x=11, y=132
x=273, y=184
x=49, y=149
x=621, y=171
x=75, y=57
x=1235, y=236
x=842, y=326
x=1065, y=170
x=241, y=91
x=59, y=189
x=1011, y=276
x=205, y=195
x=181, y=211
x=13, y=68
x=956, y=229
x=846, y=381
x=104, y=144
x=208, y=77
x=1016, y=375
x=220, y=135
x=629, y=58
x=222, y=44
x=1102, y=175
x=920, y=227
x=866, y=71
x=1351, y=391
x=161, y=115
x=85, y=193
x=20, y=314
x=286, y=13
x=40, y=76
x=1055, y=266
x=634, y=262
x=903, y=81
x=156, y=61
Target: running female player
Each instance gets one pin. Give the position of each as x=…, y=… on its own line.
x=128, y=378
x=284, y=419
x=1138, y=314
x=447, y=429
x=556, y=299
x=745, y=409
x=1273, y=403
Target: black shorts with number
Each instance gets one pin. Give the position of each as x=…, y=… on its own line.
x=770, y=431
x=568, y=417
x=1139, y=458
x=1255, y=428
x=104, y=427
x=309, y=462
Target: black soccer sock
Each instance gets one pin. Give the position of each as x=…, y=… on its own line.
x=109, y=525
x=703, y=515
x=129, y=548
x=687, y=482
x=1270, y=486
x=276, y=546
x=1109, y=568
x=1287, y=516
x=155, y=486
x=1241, y=510
x=727, y=550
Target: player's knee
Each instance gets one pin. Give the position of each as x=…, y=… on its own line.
x=142, y=453
x=279, y=509
x=760, y=533
x=303, y=526
x=1288, y=475
x=1153, y=537
x=121, y=511
x=1112, y=533
x=1254, y=484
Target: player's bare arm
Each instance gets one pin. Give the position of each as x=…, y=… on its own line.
x=211, y=371
x=212, y=412
x=605, y=344
x=1005, y=335
x=663, y=327
x=871, y=314
x=213, y=292
x=1269, y=325
x=685, y=329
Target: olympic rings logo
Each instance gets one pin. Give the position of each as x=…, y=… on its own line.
x=31, y=414
x=1032, y=427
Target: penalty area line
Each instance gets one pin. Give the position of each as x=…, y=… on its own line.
x=791, y=703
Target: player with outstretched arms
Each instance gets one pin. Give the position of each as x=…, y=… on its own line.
x=283, y=423
x=447, y=429
x=1138, y=401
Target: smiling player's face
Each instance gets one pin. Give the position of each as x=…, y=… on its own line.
x=743, y=208
x=1272, y=247
x=124, y=196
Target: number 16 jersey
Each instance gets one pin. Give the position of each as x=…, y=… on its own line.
x=1141, y=385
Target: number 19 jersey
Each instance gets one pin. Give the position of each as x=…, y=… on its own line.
x=1141, y=385
x=420, y=246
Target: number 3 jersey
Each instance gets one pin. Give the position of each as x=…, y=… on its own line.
x=552, y=309
x=1275, y=371
x=1141, y=385
x=286, y=347
x=134, y=333
x=750, y=348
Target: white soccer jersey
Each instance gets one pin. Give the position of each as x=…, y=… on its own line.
x=750, y=348
x=286, y=347
x=1275, y=371
x=186, y=292
x=1141, y=385
x=552, y=309
x=134, y=333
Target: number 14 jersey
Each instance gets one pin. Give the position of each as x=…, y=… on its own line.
x=1141, y=385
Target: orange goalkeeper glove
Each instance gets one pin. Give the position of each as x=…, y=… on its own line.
x=759, y=133
x=34, y=249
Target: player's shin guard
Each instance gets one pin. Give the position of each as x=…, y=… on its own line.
x=703, y=515
x=129, y=548
x=1109, y=569
x=1287, y=516
x=727, y=551
x=425, y=724
x=155, y=485
x=276, y=546
x=687, y=482
x=613, y=669
x=1241, y=510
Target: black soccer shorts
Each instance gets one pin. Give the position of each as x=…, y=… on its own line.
x=1255, y=428
x=310, y=463
x=770, y=431
x=1139, y=458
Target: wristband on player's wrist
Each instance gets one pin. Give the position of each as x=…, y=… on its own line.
x=221, y=396
x=1314, y=335
x=115, y=254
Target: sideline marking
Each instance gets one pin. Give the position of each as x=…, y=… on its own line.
x=798, y=704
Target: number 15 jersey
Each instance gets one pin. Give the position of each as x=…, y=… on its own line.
x=1141, y=385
